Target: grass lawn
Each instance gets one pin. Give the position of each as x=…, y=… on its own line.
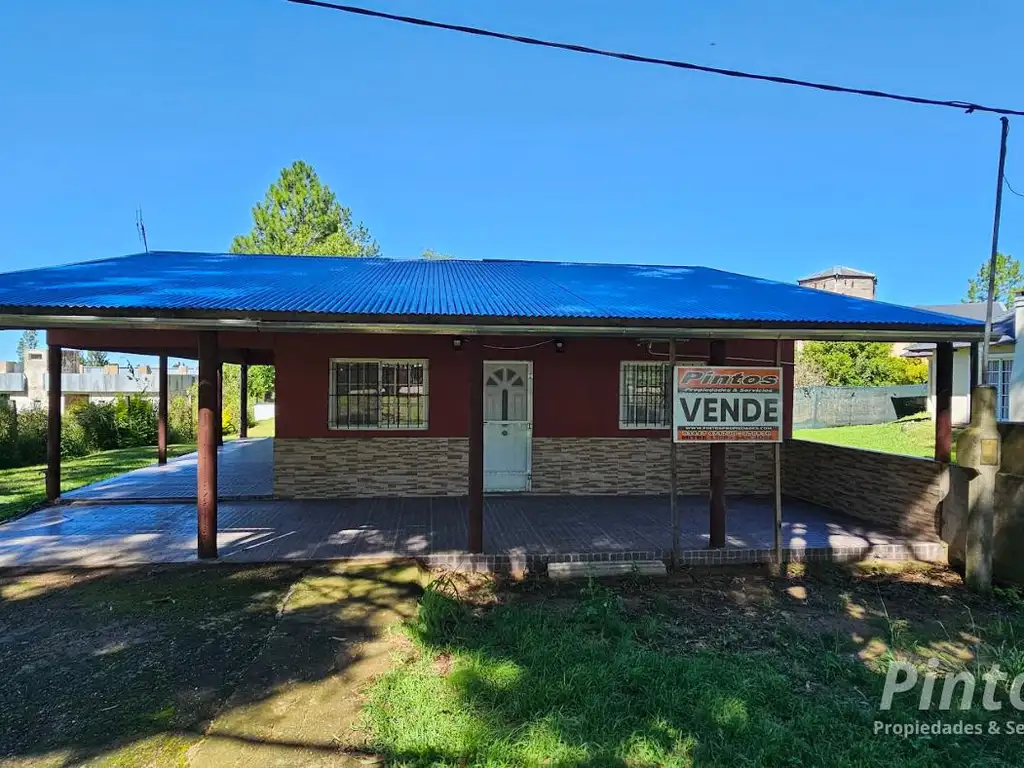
x=911, y=436
x=23, y=487
x=728, y=667
x=296, y=665
x=263, y=428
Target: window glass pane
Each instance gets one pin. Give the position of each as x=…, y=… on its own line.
x=643, y=392
x=998, y=375
x=403, y=395
x=378, y=394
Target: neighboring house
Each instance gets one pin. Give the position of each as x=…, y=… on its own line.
x=844, y=280
x=1000, y=360
x=26, y=384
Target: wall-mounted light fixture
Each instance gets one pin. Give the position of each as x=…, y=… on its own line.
x=457, y=343
x=559, y=345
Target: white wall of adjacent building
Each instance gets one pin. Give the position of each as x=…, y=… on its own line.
x=27, y=385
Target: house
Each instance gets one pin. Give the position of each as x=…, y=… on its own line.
x=1002, y=351
x=26, y=384
x=457, y=377
x=844, y=280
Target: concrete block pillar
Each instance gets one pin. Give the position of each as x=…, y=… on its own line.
x=978, y=452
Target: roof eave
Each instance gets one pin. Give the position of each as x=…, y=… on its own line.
x=283, y=322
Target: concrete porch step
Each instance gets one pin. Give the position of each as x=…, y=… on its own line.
x=566, y=571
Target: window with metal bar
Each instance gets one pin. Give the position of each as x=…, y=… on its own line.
x=378, y=394
x=1000, y=371
x=643, y=395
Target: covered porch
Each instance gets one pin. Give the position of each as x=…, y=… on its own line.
x=148, y=516
x=520, y=532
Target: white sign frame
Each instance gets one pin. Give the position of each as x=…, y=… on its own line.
x=735, y=391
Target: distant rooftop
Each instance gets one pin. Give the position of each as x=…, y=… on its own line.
x=837, y=271
x=973, y=310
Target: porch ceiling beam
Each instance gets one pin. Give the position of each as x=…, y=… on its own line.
x=454, y=326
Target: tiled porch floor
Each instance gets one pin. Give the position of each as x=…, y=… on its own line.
x=245, y=469
x=262, y=531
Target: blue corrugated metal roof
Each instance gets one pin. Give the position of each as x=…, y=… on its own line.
x=188, y=282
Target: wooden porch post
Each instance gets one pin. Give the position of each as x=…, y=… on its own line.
x=717, y=503
x=161, y=412
x=206, y=490
x=220, y=403
x=976, y=374
x=243, y=417
x=777, y=456
x=475, y=523
x=53, y=367
x=943, y=400
x=673, y=471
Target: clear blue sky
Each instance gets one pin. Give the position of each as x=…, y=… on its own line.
x=485, y=149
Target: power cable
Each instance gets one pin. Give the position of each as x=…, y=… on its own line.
x=1006, y=181
x=966, y=106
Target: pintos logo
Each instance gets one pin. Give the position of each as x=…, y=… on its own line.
x=692, y=378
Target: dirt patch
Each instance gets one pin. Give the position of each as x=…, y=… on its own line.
x=301, y=699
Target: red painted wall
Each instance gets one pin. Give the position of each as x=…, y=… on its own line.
x=575, y=393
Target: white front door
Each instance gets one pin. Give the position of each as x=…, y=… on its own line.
x=508, y=425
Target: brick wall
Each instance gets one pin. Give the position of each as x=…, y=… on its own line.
x=437, y=466
x=899, y=492
x=321, y=468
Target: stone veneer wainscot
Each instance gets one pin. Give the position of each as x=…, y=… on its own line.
x=318, y=468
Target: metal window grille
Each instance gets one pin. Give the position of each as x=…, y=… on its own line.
x=643, y=395
x=998, y=375
x=378, y=394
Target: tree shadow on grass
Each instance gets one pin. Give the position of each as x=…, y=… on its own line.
x=137, y=662
x=596, y=678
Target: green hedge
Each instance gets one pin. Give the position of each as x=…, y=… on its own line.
x=127, y=422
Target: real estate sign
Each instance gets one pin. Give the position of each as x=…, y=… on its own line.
x=727, y=404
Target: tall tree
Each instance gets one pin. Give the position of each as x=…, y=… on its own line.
x=301, y=216
x=431, y=255
x=28, y=340
x=96, y=359
x=1008, y=279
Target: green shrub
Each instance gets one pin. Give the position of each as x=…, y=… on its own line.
x=136, y=421
x=73, y=442
x=99, y=424
x=8, y=436
x=32, y=436
x=181, y=418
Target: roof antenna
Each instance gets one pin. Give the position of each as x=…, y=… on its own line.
x=140, y=227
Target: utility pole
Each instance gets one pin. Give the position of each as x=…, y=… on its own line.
x=995, y=247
